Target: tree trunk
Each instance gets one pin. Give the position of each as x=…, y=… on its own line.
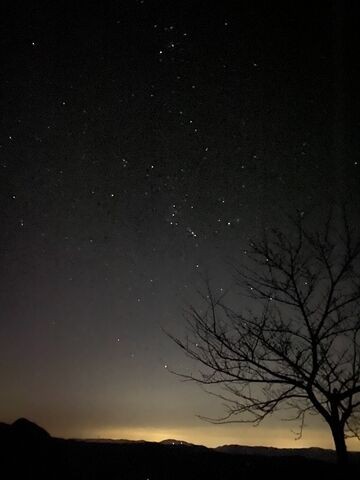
x=340, y=445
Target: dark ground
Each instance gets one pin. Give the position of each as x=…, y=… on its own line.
x=29, y=452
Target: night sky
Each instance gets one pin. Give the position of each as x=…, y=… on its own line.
x=142, y=144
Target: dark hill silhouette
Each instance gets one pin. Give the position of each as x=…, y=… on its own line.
x=29, y=430
x=28, y=451
x=172, y=441
x=316, y=453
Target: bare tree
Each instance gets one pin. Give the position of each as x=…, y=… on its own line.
x=299, y=346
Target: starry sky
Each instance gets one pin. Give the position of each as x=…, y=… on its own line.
x=143, y=142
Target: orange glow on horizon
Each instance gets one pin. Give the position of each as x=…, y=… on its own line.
x=221, y=435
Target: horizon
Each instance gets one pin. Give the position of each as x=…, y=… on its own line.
x=309, y=439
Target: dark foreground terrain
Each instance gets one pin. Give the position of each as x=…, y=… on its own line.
x=29, y=452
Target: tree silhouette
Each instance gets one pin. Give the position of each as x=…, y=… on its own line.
x=299, y=347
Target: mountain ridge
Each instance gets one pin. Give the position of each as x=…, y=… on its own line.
x=25, y=427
